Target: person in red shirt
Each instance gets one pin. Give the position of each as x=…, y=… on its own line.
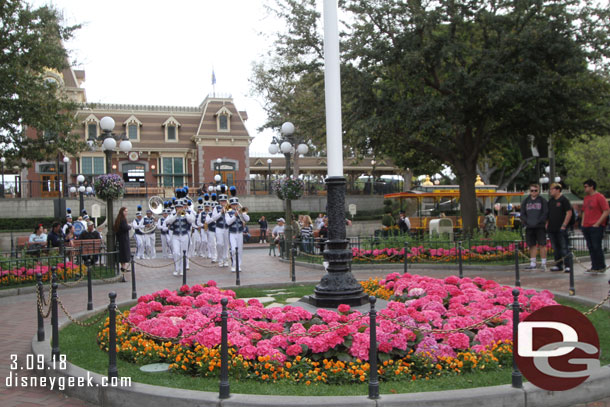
x=595, y=212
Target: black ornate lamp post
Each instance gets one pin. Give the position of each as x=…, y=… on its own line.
x=65, y=188
x=286, y=148
x=373, y=162
x=338, y=285
x=269, y=161
x=109, y=143
x=81, y=193
x=2, y=161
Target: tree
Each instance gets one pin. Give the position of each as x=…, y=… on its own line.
x=452, y=78
x=586, y=159
x=450, y=81
x=31, y=44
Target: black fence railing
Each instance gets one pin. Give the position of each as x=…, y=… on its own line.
x=379, y=249
x=55, y=189
x=71, y=265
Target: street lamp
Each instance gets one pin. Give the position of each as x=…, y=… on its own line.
x=109, y=142
x=543, y=180
x=269, y=161
x=284, y=145
x=373, y=162
x=2, y=161
x=81, y=189
x=65, y=188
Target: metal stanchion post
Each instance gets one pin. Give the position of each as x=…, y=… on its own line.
x=406, y=259
x=224, y=391
x=54, y=320
x=39, y=304
x=237, y=281
x=517, y=278
x=517, y=378
x=373, y=374
x=569, y=264
x=89, y=290
x=134, y=293
x=293, y=277
x=112, y=367
x=460, y=261
x=183, y=267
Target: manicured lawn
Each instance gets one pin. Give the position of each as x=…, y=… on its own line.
x=79, y=344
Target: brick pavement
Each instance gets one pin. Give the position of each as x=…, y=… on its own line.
x=18, y=319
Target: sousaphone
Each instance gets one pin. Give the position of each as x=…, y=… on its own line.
x=155, y=204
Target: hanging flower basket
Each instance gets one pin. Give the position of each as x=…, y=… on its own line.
x=288, y=188
x=109, y=186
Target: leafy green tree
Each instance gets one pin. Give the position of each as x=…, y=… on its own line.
x=589, y=159
x=31, y=44
x=450, y=81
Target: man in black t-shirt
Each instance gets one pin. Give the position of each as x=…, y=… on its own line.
x=560, y=214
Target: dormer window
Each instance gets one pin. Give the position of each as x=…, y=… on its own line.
x=92, y=125
x=132, y=128
x=171, y=130
x=223, y=120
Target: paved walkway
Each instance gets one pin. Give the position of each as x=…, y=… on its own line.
x=18, y=316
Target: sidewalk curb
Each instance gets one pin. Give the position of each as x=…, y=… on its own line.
x=594, y=388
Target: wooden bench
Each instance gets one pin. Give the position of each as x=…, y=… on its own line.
x=88, y=248
x=22, y=242
x=144, y=190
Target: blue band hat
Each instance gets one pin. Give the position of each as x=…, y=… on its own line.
x=234, y=199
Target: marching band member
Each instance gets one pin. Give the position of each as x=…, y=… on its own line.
x=222, y=233
x=236, y=220
x=164, y=231
x=149, y=239
x=196, y=232
x=203, y=247
x=65, y=227
x=211, y=229
x=137, y=225
x=180, y=223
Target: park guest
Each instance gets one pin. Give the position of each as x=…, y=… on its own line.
x=262, y=224
x=560, y=218
x=489, y=223
x=121, y=228
x=595, y=212
x=534, y=214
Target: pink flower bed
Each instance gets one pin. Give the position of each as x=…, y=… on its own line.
x=283, y=333
x=38, y=269
x=422, y=251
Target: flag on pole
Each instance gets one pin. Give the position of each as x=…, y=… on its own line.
x=213, y=78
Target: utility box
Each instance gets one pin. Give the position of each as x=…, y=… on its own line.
x=441, y=226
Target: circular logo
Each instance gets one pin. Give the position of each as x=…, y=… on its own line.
x=78, y=228
x=557, y=348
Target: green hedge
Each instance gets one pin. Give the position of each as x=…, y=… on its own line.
x=272, y=216
x=28, y=224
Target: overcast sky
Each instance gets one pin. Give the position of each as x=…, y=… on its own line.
x=162, y=52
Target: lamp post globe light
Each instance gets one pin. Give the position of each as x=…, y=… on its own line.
x=285, y=146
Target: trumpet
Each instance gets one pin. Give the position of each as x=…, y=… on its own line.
x=241, y=211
